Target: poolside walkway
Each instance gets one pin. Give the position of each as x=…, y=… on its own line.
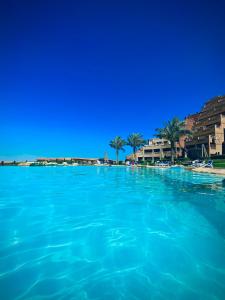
x=209, y=170
x=199, y=170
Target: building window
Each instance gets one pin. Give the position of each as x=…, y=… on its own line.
x=148, y=151
x=156, y=150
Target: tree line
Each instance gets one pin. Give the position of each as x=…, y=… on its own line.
x=171, y=131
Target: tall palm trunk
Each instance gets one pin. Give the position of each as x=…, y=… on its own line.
x=134, y=154
x=175, y=150
x=183, y=150
x=172, y=152
x=117, y=156
x=143, y=154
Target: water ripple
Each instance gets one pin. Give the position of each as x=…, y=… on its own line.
x=111, y=233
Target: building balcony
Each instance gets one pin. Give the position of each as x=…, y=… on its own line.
x=155, y=155
x=212, y=111
x=210, y=121
x=197, y=141
x=210, y=130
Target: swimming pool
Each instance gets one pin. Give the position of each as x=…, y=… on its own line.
x=111, y=233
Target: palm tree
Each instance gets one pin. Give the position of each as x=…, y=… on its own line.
x=172, y=132
x=135, y=140
x=117, y=143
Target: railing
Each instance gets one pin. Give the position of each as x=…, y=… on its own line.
x=150, y=155
x=205, y=131
x=196, y=141
x=214, y=110
x=209, y=120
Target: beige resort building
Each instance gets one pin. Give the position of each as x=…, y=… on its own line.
x=156, y=149
x=208, y=137
x=160, y=149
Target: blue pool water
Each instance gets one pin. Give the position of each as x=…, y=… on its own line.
x=111, y=233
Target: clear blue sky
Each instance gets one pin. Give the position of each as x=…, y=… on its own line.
x=74, y=74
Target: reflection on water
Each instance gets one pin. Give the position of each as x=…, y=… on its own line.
x=205, y=192
x=111, y=233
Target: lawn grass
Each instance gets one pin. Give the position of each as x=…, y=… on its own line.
x=219, y=163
